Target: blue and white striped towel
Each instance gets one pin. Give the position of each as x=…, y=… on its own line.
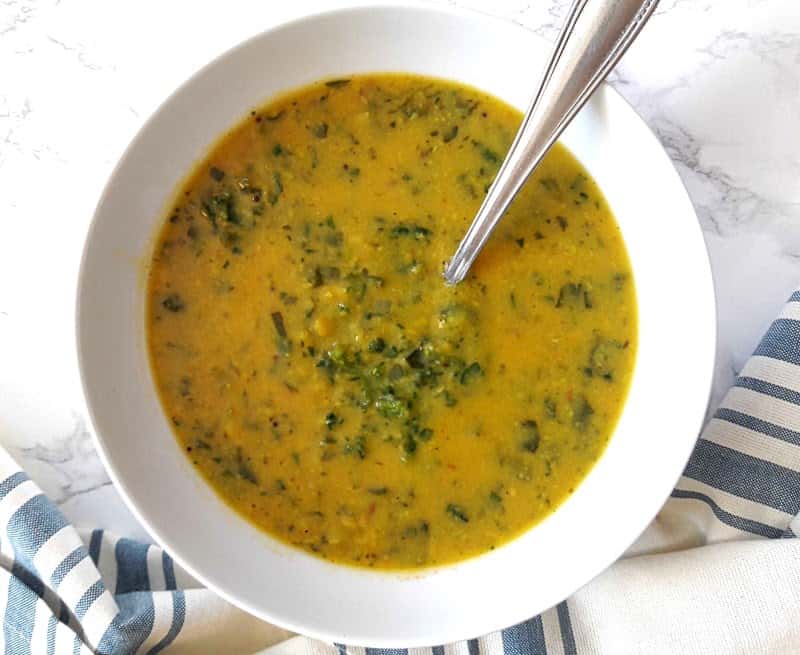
x=718, y=571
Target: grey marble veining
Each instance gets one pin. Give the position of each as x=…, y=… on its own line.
x=718, y=82
x=67, y=464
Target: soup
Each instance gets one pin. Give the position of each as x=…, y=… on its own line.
x=319, y=373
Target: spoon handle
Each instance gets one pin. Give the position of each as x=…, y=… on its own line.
x=595, y=35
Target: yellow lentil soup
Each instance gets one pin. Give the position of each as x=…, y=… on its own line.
x=319, y=373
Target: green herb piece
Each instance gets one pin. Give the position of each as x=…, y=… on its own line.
x=619, y=280
x=328, y=365
x=562, y=223
x=450, y=133
x=337, y=84
x=424, y=434
x=579, y=182
x=409, y=444
x=243, y=468
x=417, y=358
x=358, y=283
x=376, y=345
x=487, y=153
x=277, y=150
x=530, y=436
x=277, y=321
x=216, y=174
x=411, y=267
x=574, y=296
x=582, y=413
x=470, y=373
x=277, y=188
x=173, y=303
x=414, y=435
x=221, y=208
x=320, y=130
x=323, y=275
x=604, y=358
x=377, y=491
x=287, y=299
x=404, y=230
x=231, y=239
x=466, y=185
x=455, y=314
x=550, y=184
x=457, y=513
x=282, y=341
x=419, y=530
x=389, y=406
x=185, y=387
x=356, y=446
x=332, y=420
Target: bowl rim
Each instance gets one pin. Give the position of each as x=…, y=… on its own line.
x=100, y=443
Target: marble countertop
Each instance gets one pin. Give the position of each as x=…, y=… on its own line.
x=719, y=83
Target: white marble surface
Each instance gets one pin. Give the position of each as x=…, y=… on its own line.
x=718, y=81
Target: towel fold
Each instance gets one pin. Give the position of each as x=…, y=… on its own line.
x=717, y=572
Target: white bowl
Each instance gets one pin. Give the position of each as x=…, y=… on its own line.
x=288, y=587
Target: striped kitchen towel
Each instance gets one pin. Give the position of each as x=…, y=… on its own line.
x=718, y=570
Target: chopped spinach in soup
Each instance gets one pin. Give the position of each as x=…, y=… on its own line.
x=319, y=373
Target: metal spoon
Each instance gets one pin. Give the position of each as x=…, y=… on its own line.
x=595, y=35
